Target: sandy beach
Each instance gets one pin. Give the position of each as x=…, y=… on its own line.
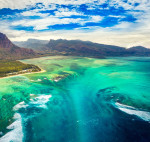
x=42, y=70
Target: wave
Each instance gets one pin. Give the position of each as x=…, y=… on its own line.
x=16, y=129
x=20, y=105
x=16, y=133
x=39, y=101
x=144, y=115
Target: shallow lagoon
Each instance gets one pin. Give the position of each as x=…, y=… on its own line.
x=78, y=100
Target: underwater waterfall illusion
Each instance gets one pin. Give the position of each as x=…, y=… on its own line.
x=78, y=100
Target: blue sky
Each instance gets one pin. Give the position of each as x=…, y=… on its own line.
x=119, y=22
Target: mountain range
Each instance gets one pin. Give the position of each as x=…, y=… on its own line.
x=82, y=48
x=35, y=48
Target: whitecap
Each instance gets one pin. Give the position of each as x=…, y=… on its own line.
x=133, y=111
x=40, y=101
x=16, y=133
x=20, y=105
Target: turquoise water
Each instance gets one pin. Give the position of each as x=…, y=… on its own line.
x=78, y=100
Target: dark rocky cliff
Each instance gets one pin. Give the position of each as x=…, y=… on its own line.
x=8, y=50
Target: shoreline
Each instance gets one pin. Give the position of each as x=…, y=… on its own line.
x=42, y=70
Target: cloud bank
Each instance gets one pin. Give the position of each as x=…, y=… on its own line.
x=118, y=22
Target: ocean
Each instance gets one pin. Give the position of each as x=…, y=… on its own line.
x=78, y=99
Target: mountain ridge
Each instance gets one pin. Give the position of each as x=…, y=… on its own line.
x=81, y=48
x=87, y=48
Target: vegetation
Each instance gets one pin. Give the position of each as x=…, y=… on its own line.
x=15, y=67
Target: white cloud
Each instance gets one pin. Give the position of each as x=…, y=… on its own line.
x=62, y=12
x=41, y=24
x=124, y=26
x=21, y=4
x=96, y=18
x=37, y=11
x=34, y=13
x=130, y=4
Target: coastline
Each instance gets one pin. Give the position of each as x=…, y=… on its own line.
x=42, y=70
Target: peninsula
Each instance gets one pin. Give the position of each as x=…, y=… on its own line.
x=10, y=68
